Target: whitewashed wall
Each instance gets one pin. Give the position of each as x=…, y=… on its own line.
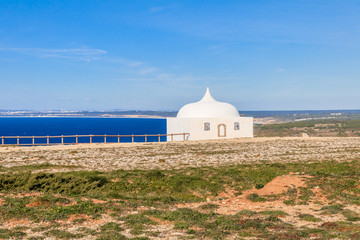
x=177, y=125
x=195, y=126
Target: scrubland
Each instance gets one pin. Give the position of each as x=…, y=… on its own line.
x=261, y=188
x=314, y=128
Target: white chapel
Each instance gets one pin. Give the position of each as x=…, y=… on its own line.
x=209, y=119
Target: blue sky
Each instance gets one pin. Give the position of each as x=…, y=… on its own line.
x=160, y=55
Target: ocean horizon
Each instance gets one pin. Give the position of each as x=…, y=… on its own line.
x=57, y=126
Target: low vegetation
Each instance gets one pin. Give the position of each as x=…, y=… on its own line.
x=190, y=203
x=315, y=128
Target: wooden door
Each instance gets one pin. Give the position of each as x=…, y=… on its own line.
x=221, y=130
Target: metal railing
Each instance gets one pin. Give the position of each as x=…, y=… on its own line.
x=105, y=137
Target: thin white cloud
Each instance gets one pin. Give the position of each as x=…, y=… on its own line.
x=280, y=70
x=156, y=9
x=66, y=99
x=81, y=54
x=216, y=49
x=132, y=67
x=175, y=79
x=138, y=68
x=146, y=70
x=126, y=62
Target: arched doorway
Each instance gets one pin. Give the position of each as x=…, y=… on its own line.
x=221, y=130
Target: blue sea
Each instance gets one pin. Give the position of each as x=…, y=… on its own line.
x=43, y=126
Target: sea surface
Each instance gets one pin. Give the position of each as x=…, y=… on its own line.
x=28, y=126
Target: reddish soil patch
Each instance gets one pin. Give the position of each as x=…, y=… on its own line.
x=197, y=194
x=21, y=195
x=73, y=217
x=72, y=202
x=277, y=186
x=2, y=201
x=319, y=195
x=228, y=193
x=98, y=201
x=329, y=225
x=141, y=208
x=281, y=184
x=38, y=204
x=89, y=221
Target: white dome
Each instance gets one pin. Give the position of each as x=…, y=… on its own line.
x=208, y=107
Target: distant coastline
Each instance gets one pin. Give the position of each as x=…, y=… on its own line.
x=260, y=117
x=88, y=114
x=81, y=116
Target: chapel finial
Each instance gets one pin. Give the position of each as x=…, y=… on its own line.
x=207, y=96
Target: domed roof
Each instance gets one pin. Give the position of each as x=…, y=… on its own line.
x=208, y=107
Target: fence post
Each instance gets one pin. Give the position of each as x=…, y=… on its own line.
x=172, y=137
x=132, y=138
x=184, y=136
x=145, y=137
x=118, y=138
x=105, y=138
x=77, y=139
x=62, y=139
x=2, y=140
x=33, y=141
x=18, y=140
x=47, y=140
x=90, y=138
x=159, y=137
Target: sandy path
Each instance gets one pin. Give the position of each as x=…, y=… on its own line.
x=184, y=154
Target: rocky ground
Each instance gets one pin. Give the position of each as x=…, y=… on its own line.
x=177, y=155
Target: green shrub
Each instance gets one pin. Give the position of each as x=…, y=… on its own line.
x=75, y=183
x=309, y=218
x=111, y=236
x=61, y=234
x=181, y=225
x=111, y=226
x=254, y=197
